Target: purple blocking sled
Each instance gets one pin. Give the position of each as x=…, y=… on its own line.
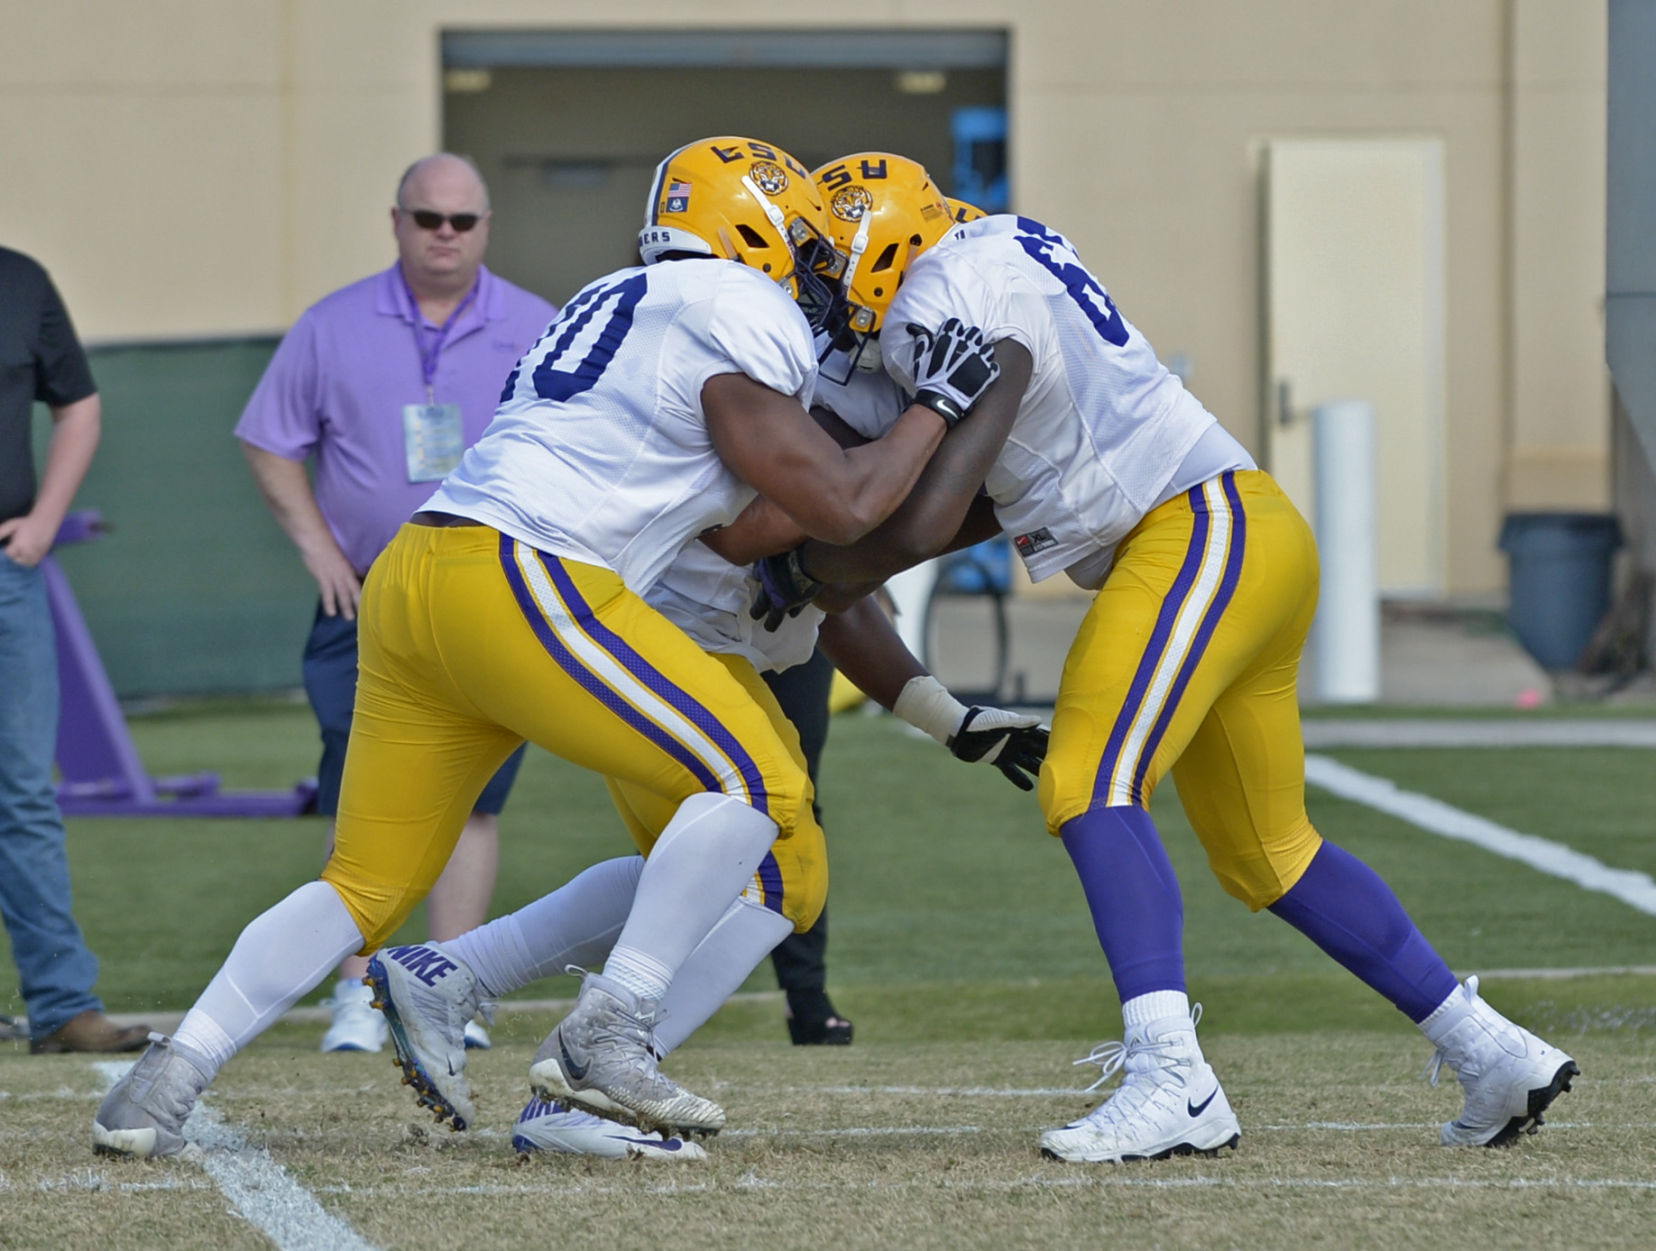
x=102, y=774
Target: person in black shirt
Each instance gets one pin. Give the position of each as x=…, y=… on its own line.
x=40, y=360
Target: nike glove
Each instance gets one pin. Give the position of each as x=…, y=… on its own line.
x=1014, y=742
x=953, y=367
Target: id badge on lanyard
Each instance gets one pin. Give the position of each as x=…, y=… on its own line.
x=434, y=435
x=433, y=439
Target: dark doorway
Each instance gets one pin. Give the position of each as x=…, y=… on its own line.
x=568, y=128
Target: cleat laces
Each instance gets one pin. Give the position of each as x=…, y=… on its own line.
x=1152, y=1056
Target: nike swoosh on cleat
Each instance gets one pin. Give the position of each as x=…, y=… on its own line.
x=668, y=1144
x=577, y=1072
x=1196, y=1109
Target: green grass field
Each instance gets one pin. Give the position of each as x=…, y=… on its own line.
x=962, y=948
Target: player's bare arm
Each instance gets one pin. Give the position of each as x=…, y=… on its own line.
x=764, y=528
x=865, y=646
x=834, y=494
x=930, y=519
x=981, y=524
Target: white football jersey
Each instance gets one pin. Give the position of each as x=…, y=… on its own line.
x=599, y=451
x=870, y=403
x=709, y=598
x=1103, y=430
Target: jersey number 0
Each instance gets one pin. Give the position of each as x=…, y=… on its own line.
x=581, y=327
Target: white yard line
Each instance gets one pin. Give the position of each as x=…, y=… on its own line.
x=1473, y=732
x=1085, y=1178
x=260, y=1189
x=1632, y=887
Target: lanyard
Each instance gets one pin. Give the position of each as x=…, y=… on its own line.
x=428, y=356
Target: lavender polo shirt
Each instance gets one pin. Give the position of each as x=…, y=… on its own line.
x=336, y=388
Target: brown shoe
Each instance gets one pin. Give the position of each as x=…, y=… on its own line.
x=91, y=1031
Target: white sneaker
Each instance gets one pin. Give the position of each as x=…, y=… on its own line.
x=601, y=1058
x=356, y=1026
x=544, y=1126
x=1169, y=1101
x=428, y=996
x=1509, y=1075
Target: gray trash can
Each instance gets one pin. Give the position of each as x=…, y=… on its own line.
x=1560, y=580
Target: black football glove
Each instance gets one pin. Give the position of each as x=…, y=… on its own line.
x=1014, y=742
x=953, y=367
x=783, y=589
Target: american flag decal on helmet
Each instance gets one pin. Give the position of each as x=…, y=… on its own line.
x=678, y=197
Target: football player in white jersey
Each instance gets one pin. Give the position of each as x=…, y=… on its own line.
x=707, y=596
x=653, y=409
x=1206, y=581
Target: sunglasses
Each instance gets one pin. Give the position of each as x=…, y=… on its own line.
x=426, y=219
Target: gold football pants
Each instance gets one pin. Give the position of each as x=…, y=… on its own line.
x=793, y=877
x=1188, y=661
x=471, y=642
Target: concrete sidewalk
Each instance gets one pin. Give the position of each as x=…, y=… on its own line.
x=1431, y=655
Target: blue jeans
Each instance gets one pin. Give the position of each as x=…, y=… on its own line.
x=54, y=967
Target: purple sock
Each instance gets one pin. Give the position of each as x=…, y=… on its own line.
x=1344, y=907
x=1134, y=896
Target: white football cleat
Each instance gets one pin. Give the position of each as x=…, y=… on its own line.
x=1169, y=1101
x=428, y=996
x=601, y=1058
x=144, y=1114
x=355, y=1026
x=544, y=1126
x=1509, y=1075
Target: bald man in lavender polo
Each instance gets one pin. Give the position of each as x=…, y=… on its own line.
x=383, y=384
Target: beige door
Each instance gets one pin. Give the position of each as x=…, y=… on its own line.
x=1354, y=310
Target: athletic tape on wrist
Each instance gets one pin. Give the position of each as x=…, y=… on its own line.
x=925, y=703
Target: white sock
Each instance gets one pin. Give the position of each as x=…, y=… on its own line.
x=638, y=971
x=701, y=862
x=1140, y=1010
x=282, y=954
x=739, y=942
x=1442, y=1020
x=576, y=924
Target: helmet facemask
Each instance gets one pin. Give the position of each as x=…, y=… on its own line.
x=884, y=211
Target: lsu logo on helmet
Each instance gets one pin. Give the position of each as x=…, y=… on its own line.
x=884, y=210
x=850, y=203
x=772, y=179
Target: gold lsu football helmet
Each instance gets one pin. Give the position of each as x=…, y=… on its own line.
x=963, y=212
x=746, y=201
x=883, y=211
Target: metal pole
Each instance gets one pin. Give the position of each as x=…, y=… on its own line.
x=1345, y=638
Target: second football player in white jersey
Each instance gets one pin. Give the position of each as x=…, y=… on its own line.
x=1187, y=660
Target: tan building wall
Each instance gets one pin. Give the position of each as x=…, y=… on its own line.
x=204, y=167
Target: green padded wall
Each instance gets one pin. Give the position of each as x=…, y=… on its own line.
x=194, y=590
